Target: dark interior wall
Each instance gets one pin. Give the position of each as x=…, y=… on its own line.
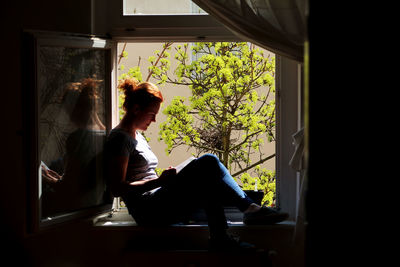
x=16, y=16
x=64, y=15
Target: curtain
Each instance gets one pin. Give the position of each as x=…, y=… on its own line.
x=276, y=25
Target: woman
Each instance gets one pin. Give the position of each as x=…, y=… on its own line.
x=164, y=200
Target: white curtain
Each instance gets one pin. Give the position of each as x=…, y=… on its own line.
x=276, y=25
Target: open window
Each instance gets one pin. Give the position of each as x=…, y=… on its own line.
x=68, y=114
x=151, y=27
x=236, y=118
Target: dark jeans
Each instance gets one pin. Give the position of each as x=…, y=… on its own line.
x=204, y=183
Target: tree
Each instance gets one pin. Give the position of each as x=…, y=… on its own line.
x=225, y=115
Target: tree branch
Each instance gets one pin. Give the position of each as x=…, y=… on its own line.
x=253, y=165
x=122, y=54
x=208, y=148
x=166, y=46
x=245, y=140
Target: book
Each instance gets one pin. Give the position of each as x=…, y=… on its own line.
x=184, y=163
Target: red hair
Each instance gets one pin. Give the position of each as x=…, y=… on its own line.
x=142, y=94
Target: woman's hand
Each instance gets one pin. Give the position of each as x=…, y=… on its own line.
x=167, y=176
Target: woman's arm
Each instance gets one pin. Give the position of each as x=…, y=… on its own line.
x=119, y=186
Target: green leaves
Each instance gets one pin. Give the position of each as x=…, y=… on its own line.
x=134, y=72
x=231, y=110
x=265, y=180
x=177, y=129
x=223, y=78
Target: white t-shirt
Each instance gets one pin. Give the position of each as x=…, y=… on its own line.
x=142, y=161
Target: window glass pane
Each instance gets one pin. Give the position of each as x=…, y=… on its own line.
x=72, y=119
x=212, y=80
x=160, y=7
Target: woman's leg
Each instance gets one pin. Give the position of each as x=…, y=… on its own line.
x=210, y=185
x=204, y=183
x=208, y=173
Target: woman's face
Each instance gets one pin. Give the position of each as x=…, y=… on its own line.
x=144, y=117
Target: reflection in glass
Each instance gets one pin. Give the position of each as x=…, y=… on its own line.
x=71, y=115
x=161, y=7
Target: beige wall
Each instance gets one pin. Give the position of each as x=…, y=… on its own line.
x=144, y=50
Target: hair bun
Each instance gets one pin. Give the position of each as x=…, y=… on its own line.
x=88, y=88
x=128, y=85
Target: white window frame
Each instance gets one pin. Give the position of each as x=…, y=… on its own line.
x=33, y=40
x=107, y=19
x=289, y=119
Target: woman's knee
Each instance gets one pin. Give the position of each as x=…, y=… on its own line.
x=209, y=158
x=209, y=166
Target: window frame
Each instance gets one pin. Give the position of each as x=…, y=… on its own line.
x=289, y=120
x=202, y=27
x=108, y=19
x=32, y=40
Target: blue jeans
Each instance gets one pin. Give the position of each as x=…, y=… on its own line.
x=204, y=183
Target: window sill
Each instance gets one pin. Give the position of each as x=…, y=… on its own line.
x=122, y=218
x=193, y=238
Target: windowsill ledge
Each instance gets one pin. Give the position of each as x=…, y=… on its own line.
x=189, y=237
x=122, y=218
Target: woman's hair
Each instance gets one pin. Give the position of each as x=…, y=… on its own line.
x=142, y=94
x=79, y=100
